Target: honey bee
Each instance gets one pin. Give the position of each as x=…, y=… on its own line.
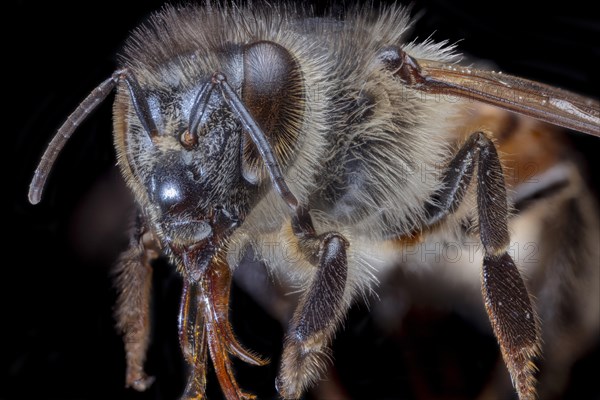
x=324, y=144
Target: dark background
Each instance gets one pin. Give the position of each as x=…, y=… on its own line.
x=59, y=341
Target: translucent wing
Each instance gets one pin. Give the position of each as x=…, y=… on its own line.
x=523, y=96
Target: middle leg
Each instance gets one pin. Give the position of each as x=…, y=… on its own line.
x=507, y=300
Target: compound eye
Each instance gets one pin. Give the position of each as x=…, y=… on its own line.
x=273, y=92
x=270, y=76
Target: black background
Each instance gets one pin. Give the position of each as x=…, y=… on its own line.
x=59, y=341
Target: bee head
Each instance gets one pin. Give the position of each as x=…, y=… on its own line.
x=199, y=148
x=201, y=153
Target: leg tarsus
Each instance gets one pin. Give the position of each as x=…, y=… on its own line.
x=133, y=279
x=320, y=306
x=306, y=350
x=513, y=320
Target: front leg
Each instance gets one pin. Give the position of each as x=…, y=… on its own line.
x=507, y=301
x=133, y=279
x=319, y=312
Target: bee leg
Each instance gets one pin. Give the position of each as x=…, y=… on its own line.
x=320, y=309
x=133, y=279
x=507, y=300
x=456, y=179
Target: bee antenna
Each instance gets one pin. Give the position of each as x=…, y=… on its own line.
x=85, y=108
x=259, y=138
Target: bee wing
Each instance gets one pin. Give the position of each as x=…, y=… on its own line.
x=534, y=99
